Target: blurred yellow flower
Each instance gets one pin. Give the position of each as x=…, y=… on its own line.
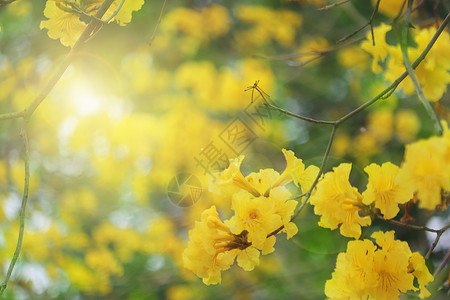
x=353, y=57
x=427, y=165
x=311, y=50
x=341, y=145
x=380, y=124
x=266, y=25
x=407, y=125
x=432, y=74
x=390, y=8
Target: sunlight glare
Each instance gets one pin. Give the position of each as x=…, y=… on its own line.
x=85, y=99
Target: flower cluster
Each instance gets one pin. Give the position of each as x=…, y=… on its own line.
x=378, y=271
x=64, y=16
x=432, y=74
x=262, y=208
x=423, y=176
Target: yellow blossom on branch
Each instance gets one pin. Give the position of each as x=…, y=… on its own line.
x=123, y=16
x=427, y=166
x=339, y=203
x=62, y=25
x=432, y=74
x=213, y=248
x=380, y=271
x=386, y=189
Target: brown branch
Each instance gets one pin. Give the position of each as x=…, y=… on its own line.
x=406, y=225
x=315, y=53
x=265, y=98
x=369, y=23
x=436, y=240
x=327, y=7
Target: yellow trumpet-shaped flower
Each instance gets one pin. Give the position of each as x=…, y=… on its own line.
x=380, y=271
x=213, y=248
x=339, y=203
x=296, y=171
x=255, y=215
x=230, y=180
x=387, y=189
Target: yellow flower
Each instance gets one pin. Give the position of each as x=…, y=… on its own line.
x=341, y=145
x=390, y=264
x=62, y=25
x=353, y=57
x=284, y=208
x=353, y=273
x=255, y=215
x=381, y=49
x=420, y=271
x=407, y=125
x=338, y=202
x=427, y=166
x=377, y=272
x=231, y=180
x=267, y=25
x=386, y=189
x=432, y=74
x=124, y=15
x=390, y=8
x=380, y=124
x=295, y=171
x=213, y=248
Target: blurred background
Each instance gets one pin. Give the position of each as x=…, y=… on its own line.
x=122, y=149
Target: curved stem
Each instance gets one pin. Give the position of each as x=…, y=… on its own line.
x=412, y=75
x=406, y=225
x=308, y=193
x=23, y=206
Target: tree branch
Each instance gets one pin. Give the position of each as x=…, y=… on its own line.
x=23, y=206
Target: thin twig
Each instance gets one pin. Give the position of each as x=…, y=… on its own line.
x=442, y=265
x=316, y=54
x=436, y=240
x=412, y=75
x=369, y=23
x=298, y=196
x=265, y=98
x=116, y=11
x=406, y=225
x=308, y=193
x=163, y=9
x=327, y=7
x=23, y=206
x=6, y=2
